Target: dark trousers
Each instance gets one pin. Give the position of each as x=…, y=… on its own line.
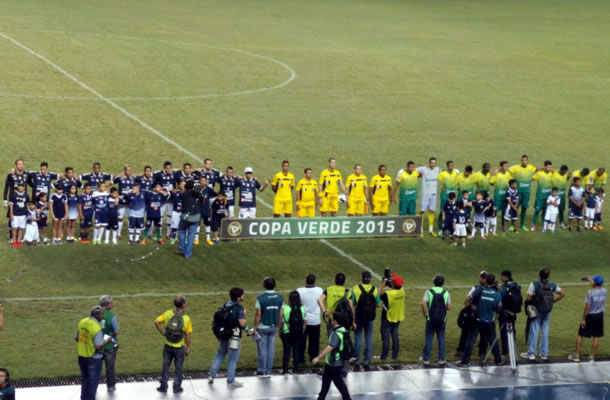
x=503, y=320
x=170, y=354
x=488, y=333
x=292, y=346
x=334, y=375
x=110, y=361
x=313, y=333
x=466, y=332
x=389, y=330
x=90, y=372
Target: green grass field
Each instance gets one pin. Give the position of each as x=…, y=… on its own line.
x=376, y=82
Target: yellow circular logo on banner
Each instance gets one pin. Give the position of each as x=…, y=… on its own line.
x=234, y=229
x=409, y=225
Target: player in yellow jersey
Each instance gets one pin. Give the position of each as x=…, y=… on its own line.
x=330, y=182
x=357, y=192
x=282, y=185
x=381, y=191
x=585, y=177
x=307, y=189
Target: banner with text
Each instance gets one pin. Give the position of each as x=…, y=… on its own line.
x=319, y=228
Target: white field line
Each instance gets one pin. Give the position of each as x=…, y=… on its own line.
x=291, y=71
x=156, y=132
x=205, y=294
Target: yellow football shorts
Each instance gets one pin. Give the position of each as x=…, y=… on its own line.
x=307, y=209
x=330, y=202
x=381, y=206
x=356, y=206
x=282, y=206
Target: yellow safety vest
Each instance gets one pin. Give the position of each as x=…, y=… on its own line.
x=333, y=295
x=396, y=305
x=87, y=329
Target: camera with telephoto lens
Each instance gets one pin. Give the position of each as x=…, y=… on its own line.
x=387, y=275
x=584, y=278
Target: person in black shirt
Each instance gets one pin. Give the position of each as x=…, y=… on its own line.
x=189, y=219
x=220, y=210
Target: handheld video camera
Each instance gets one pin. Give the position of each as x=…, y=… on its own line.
x=387, y=276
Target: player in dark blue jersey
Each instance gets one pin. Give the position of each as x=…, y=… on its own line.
x=512, y=206
x=40, y=181
x=100, y=204
x=247, y=194
x=176, y=209
x=153, y=210
x=211, y=174
x=68, y=178
x=96, y=177
x=219, y=211
x=206, y=194
x=125, y=182
x=113, y=216
x=449, y=209
x=58, y=206
x=13, y=179
x=480, y=206
x=42, y=206
x=146, y=180
x=18, y=212
x=85, y=213
x=229, y=185
x=460, y=222
x=187, y=174
x=136, y=200
x=72, y=216
x=166, y=179
x=490, y=215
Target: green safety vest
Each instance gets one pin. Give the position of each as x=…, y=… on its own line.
x=87, y=329
x=335, y=355
x=107, y=330
x=437, y=290
x=287, y=310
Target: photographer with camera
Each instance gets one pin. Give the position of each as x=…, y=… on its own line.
x=229, y=322
x=592, y=324
x=189, y=219
x=512, y=303
x=392, y=296
x=467, y=317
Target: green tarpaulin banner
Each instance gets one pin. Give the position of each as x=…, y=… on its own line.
x=319, y=228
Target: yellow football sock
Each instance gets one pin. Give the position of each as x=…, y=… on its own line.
x=431, y=220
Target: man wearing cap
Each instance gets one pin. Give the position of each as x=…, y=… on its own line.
x=393, y=298
x=89, y=344
x=592, y=324
x=365, y=299
x=247, y=194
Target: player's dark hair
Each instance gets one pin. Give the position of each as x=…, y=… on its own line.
x=147, y=167
x=490, y=280
x=186, y=164
x=179, y=301
x=485, y=194
x=310, y=279
x=229, y=168
x=331, y=159
x=507, y=274
x=468, y=168
x=576, y=179
x=510, y=183
x=113, y=190
x=167, y=164
x=450, y=162
x=503, y=163
x=340, y=279
x=452, y=195
x=439, y=280
x=31, y=203
x=460, y=205
x=294, y=299
x=87, y=185
x=67, y=169
x=155, y=184
x=356, y=166
x=464, y=192
x=410, y=163
x=381, y=166
x=8, y=375
x=269, y=283
x=44, y=164
x=555, y=189
x=41, y=195
x=235, y=293
x=584, y=171
x=96, y=164
x=306, y=169
x=544, y=273
x=431, y=159
x=547, y=163
x=563, y=168
x=524, y=156
x=206, y=160
x=285, y=162
x=17, y=160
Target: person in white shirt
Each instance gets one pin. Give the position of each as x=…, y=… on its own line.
x=429, y=187
x=309, y=298
x=552, y=209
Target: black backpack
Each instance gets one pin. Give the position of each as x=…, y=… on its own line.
x=344, y=307
x=513, y=299
x=348, y=348
x=437, y=311
x=174, y=331
x=544, y=298
x=295, y=321
x=366, y=307
x=223, y=323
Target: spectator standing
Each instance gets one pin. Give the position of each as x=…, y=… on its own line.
x=110, y=328
x=512, y=302
x=393, y=313
x=176, y=327
x=293, y=322
x=266, y=322
x=332, y=296
x=490, y=301
x=466, y=322
x=189, y=220
x=7, y=391
x=366, y=299
x=310, y=294
x=231, y=347
x=435, y=304
x=542, y=295
x=592, y=324
x=89, y=345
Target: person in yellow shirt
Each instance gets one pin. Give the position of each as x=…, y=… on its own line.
x=523, y=174
x=176, y=327
x=599, y=177
x=357, y=192
x=282, y=185
x=448, y=181
x=482, y=178
x=307, y=190
x=585, y=177
x=381, y=191
x=330, y=182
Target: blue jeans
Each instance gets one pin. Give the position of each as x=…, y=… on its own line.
x=367, y=328
x=186, y=237
x=389, y=330
x=433, y=327
x=265, y=348
x=542, y=321
x=90, y=372
x=223, y=350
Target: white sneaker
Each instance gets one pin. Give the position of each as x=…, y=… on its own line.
x=528, y=356
x=235, y=384
x=544, y=358
x=114, y=241
x=106, y=241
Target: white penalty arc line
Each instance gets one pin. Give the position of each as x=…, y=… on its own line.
x=205, y=294
x=290, y=70
x=154, y=131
